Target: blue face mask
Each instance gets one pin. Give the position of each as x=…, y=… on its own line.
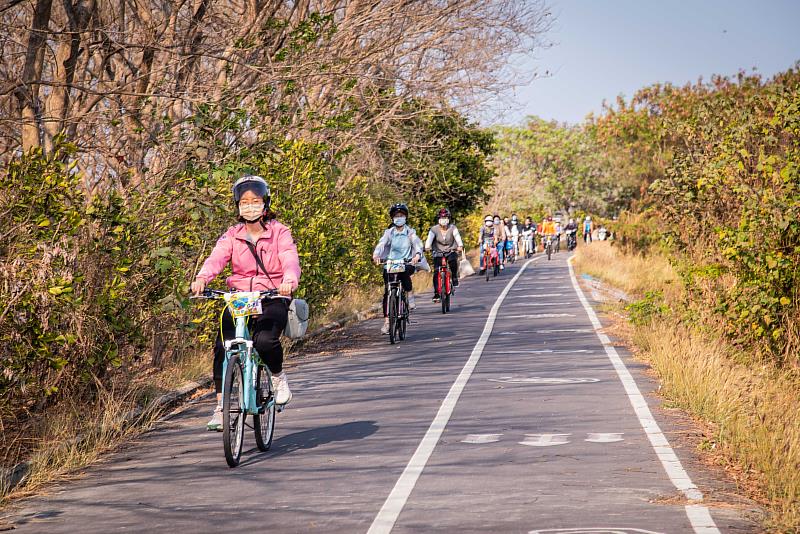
x=399, y=221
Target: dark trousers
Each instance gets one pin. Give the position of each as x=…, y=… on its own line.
x=405, y=281
x=266, y=330
x=452, y=261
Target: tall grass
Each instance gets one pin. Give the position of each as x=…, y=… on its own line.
x=754, y=409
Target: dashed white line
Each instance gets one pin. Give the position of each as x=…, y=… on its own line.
x=545, y=440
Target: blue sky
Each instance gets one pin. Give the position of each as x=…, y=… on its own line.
x=603, y=48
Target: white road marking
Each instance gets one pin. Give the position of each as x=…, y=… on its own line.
x=542, y=380
x=535, y=304
x=545, y=351
x=574, y=330
x=593, y=530
x=699, y=516
x=540, y=316
x=538, y=295
x=545, y=440
x=604, y=437
x=389, y=512
x=481, y=438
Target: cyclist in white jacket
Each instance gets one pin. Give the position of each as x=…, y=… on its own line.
x=444, y=239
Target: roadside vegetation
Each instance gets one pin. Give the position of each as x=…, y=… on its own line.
x=124, y=129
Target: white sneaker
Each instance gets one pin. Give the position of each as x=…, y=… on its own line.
x=385, y=329
x=282, y=392
x=412, y=303
x=215, y=424
x=502, y=267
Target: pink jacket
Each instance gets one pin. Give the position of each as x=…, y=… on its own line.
x=276, y=249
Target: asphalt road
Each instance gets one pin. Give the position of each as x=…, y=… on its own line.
x=507, y=415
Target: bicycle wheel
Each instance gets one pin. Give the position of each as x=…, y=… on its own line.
x=444, y=291
x=486, y=262
x=232, y=414
x=549, y=251
x=264, y=419
x=393, y=309
x=496, y=269
x=402, y=315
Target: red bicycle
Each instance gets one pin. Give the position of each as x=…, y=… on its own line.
x=490, y=259
x=443, y=280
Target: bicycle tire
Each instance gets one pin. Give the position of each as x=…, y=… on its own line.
x=393, y=308
x=402, y=315
x=264, y=420
x=496, y=269
x=444, y=293
x=233, y=427
x=487, y=260
x=549, y=252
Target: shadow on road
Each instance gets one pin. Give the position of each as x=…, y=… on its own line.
x=309, y=439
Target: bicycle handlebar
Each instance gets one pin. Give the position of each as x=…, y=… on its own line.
x=216, y=294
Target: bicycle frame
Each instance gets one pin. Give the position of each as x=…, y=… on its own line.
x=242, y=345
x=444, y=266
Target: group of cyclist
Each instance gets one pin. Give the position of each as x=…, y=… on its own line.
x=263, y=256
x=506, y=238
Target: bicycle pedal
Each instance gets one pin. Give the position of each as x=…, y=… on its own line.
x=280, y=407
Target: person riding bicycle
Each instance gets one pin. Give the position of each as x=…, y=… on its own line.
x=257, y=234
x=548, y=229
x=399, y=242
x=528, y=231
x=487, y=238
x=587, y=229
x=444, y=238
x=500, y=229
x=571, y=229
x=513, y=231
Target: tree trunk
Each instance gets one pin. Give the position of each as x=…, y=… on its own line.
x=27, y=92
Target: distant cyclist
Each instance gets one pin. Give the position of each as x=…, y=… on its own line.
x=399, y=242
x=500, y=230
x=571, y=230
x=487, y=238
x=587, y=229
x=444, y=238
x=548, y=229
x=515, y=230
x=528, y=236
x=256, y=234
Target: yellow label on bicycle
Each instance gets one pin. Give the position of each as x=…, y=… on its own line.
x=244, y=303
x=395, y=266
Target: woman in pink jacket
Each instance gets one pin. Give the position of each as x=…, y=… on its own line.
x=257, y=234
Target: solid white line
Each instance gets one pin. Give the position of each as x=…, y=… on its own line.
x=699, y=516
x=387, y=516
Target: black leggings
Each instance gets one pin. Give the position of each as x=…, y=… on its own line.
x=266, y=330
x=452, y=260
x=405, y=281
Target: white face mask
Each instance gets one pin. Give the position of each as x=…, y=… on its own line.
x=489, y=224
x=251, y=212
x=399, y=221
x=444, y=222
x=497, y=221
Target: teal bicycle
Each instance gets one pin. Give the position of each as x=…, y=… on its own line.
x=247, y=381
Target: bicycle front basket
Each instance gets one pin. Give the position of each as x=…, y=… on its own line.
x=244, y=303
x=395, y=266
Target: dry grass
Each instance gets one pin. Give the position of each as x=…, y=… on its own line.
x=755, y=410
x=76, y=435
x=633, y=274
